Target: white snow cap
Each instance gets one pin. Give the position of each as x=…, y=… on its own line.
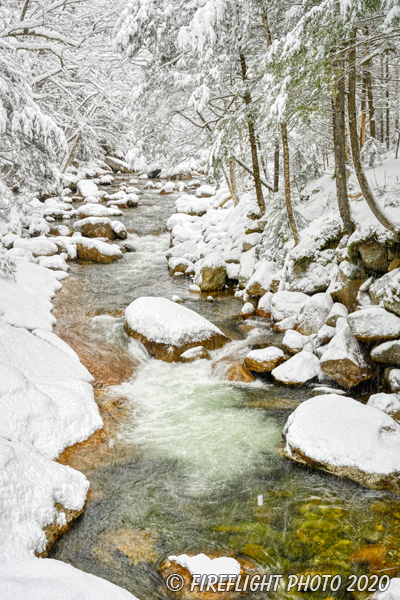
x=167, y=322
x=201, y=564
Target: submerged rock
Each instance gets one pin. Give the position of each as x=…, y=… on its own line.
x=264, y=360
x=168, y=329
x=344, y=437
x=196, y=353
x=232, y=370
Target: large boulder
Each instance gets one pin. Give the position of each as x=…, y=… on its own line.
x=371, y=324
x=346, y=285
x=314, y=313
x=298, y=370
x=264, y=360
x=93, y=227
x=388, y=352
x=261, y=279
x=211, y=273
x=117, y=165
x=342, y=436
x=287, y=304
x=96, y=250
x=294, y=341
x=168, y=329
x=344, y=359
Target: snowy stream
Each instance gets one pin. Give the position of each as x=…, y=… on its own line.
x=199, y=470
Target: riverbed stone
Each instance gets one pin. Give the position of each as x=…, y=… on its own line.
x=287, y=304
x=97, y=251
x=378, y=287
x=93, y=227
x=117, y=164
x=86, y=188
x=179, y=265
x=392, y=378
x=388, y=352
x=294, y=341
x=338, y=310
x=389, y=403
x=344, y=360
x=314, y=313
x=264, y=360
x=298, y=370
x=168, y=329
x=348, y=280
x=346, y=438
x=232, y=370
x=264, y=305
x=375, y=323
x=211, y=273
x=391, y=297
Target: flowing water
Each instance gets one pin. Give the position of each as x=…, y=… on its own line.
x=194, y=467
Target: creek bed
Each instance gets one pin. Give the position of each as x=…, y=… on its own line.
x=199, y=452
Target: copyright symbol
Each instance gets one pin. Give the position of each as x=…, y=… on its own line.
x=175, y=582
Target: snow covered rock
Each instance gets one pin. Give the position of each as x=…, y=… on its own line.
x=299, y=369
x=294, y=341
x=248, y=310
x=39, y=246
x=389, y=403
x=60, y=230
x=117, y=165
x=106, y=180
x=211, y=273
x=86, y=188
x=179, y=265
x=392, y=377
x=388, y=352
x=96, y=250
x=285, y=324
x=247, y=264
x=313, y=313
x=201, y=564
x=370, y=324
x=56, y=263
x=191, y=205
x=344, y=359
x=287, y=304
x=391, y=296
x=186, y=250
x=325, y=335
x=393, y=593
x=119, y=230
x=346, y=284
x=205, y=191
x=264, y=305
x=342, y=436
x=93, y=227
x=378, y=287
x=93, y=210
x=337, y=310
x=264, y=360
x=260, y=281
x=168, y=329
x=37, y=579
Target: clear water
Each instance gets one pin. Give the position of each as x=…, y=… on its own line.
x=198, y=451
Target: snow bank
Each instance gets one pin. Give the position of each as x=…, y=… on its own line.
x=46, y=578
x=342, y=432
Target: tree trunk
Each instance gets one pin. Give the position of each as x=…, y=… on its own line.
x=371, y=107
x=387, y=129
x=276, y=167
x=355, y=149
x=253, y=142
x=363, y=109
x=339, y=145
x=232, y=177
x=286, y=173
